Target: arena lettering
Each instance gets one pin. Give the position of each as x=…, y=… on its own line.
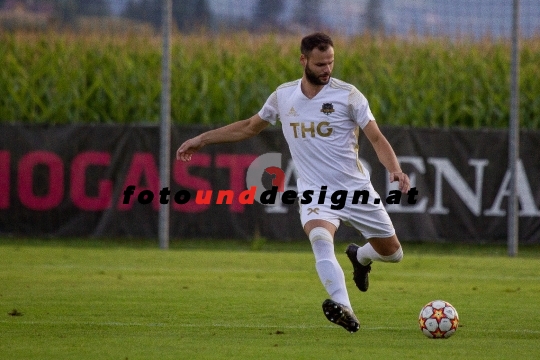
x=447, y=173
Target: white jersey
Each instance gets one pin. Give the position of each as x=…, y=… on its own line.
x=322, y=133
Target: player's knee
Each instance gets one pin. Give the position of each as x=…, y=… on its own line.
x=320, y=233
x=395, y=257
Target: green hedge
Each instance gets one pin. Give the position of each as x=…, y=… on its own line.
x=95, y=78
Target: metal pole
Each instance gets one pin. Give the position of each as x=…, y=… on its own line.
x=165, y=123
x=513, y=137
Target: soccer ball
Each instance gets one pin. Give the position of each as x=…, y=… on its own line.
x=438, y=320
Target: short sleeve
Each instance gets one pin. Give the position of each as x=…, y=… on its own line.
x=359, y=108
x=270, y=111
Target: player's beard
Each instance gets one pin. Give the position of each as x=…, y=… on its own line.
x=314, y=78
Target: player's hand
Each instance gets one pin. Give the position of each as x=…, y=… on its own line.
x=188, y=148
x=404, y=182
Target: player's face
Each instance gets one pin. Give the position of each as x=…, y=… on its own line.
x=318, y=66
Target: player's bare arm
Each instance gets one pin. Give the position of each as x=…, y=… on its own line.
x=236, y=131
x=386, y=155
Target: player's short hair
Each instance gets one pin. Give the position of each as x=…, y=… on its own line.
x=317, y=40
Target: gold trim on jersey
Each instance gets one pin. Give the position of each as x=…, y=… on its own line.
x=288, y=84
x=357, y=148
x=339, y=84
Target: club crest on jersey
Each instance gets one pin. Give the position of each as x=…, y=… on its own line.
x=327, y=108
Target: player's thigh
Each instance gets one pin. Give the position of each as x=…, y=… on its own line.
x=372, y=220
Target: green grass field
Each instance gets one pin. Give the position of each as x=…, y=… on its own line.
x=88, y=299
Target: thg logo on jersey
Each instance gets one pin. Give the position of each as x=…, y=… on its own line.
x=322, y=129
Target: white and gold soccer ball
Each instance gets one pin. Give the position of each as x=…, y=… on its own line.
x=438, y=319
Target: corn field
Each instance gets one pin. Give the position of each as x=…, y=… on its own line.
x=64, y=78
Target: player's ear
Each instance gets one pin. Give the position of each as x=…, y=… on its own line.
x=303, y=60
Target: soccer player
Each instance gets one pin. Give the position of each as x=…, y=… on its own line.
x=321, y=117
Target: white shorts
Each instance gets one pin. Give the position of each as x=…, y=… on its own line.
x=370, y=219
